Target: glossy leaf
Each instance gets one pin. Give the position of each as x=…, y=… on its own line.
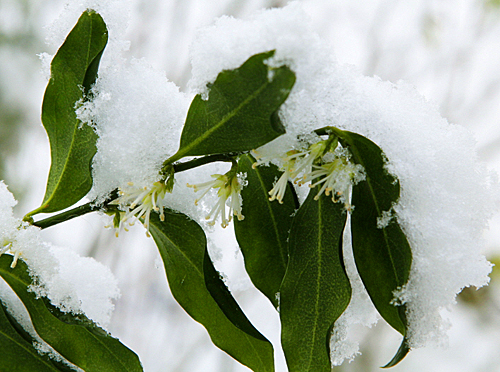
x=17, y=353
x=240, y=113
x=263, y=234
x=400, y=354
x=382, y=254
x=183, y=248
x=315, y=289
x=226, y=302
x=72, y=144
x=75, y=337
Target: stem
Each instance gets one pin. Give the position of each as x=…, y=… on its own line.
x=325, y=131
x=75, y=212
x=92, y=206
x=181, y=167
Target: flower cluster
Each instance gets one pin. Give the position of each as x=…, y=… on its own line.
x=136, y=203
x=335, y=177
x=322, y=163
x=228, y=188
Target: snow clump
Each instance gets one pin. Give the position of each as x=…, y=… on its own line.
x=447, y=196
x=74, y=284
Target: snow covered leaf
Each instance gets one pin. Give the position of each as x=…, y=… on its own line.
x=240, y=113
x=263, y=234
x=75, y=337
x=381, y=251
x=315, y=289
x=190, y=273
x=18, y=353
x=72, y=144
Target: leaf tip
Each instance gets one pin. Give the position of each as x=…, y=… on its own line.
x=403, y=350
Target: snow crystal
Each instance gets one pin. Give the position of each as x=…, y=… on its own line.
x=72, y=283
x=446, y=198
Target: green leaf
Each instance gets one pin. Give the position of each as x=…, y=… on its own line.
x=241, y=111
x=400, y=354
x=382, y=254
x=17, y=353
x=316, y=289
x=263, y=234
x=72, y=144
x=183, y=248
x=75, y=337
x=226, y=302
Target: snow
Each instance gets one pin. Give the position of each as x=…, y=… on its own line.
x=138, y=115
x=435, y=161
x=72, y=283
x=447, y=196
x=115, y=13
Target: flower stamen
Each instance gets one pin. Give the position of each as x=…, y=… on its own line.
x=137, y=203
x=228, y=188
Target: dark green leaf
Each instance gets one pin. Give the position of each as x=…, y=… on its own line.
x=400, y=354
x=183, y=248
x=75, y=337
x=241, y=111
x=226, y=302
x=72, y=144
x=17, y=353
x=263, y=234
x=316, y=289
x=382, y=255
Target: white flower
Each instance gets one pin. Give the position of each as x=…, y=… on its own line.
x=305, y=160
x=322, y=163
x=229, y=186
x=292, y=164
x=336, y=177
x=138, y=202
x=12, y=248
x=278, y=191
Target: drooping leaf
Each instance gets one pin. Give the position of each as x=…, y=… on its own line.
x=263, y=234
x=226, y=302
x=382, y=253
x=315, y=290
x=75, y=337
x=183, y=248
x=72, y=144
x=400, y=354
x=240, y=113
x=17, y=353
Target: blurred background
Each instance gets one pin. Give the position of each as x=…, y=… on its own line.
x=450, y=50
